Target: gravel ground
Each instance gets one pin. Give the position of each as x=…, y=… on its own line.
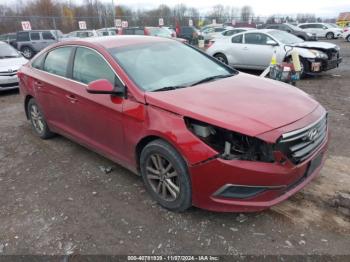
x=55, y=198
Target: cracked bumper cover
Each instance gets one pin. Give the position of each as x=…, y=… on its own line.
x=280, y=181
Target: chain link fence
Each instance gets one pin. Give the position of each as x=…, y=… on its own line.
x=67, y=24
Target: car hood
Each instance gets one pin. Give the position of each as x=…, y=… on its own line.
x=318, y=45
x=243, y=103
x=12, y=63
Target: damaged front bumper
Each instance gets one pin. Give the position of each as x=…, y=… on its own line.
x=320, y=65
x=231, y=185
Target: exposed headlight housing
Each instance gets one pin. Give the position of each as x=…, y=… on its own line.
x=309, y=34
x=319, y=54
x=231, y=145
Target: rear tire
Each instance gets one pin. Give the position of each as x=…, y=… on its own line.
x=222, y=58
x=27, y=52
x=38, y=121
x=164, y=173
x=330, y=35
x=348, y=38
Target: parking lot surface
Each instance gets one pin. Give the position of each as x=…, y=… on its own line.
x=57, y=198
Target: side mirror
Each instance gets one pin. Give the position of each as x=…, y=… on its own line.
x=271, y=43
x=103, y=86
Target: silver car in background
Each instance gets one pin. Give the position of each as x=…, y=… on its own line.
x=254, y=49
x=10, y=61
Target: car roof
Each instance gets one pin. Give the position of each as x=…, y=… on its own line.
x=118, y=40
x=37, y=30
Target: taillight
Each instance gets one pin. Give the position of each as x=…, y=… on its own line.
x=211, y=42
x=346, y=29
x=146, y=31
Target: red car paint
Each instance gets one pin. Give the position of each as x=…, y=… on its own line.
x=115, y=127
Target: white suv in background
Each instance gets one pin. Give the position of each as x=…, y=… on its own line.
x=329, y=31
x=346, y=34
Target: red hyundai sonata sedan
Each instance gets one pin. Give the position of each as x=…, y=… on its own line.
x=197, y=131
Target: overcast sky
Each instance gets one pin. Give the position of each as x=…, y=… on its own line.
x=324, y=8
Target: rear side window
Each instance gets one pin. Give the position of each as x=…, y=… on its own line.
x=57, y=60
x=35, y=36
x=237, y=39
x=38, y=62
x=90, y=66
x=23, y=36
x=48, y=36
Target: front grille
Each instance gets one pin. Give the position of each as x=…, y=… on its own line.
x=298, y=145
x=332, y=54
x=8, y=73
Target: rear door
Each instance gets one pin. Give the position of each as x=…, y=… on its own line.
x=96, y=119
x=52, y=86
x=35, y=41
x=235, y=52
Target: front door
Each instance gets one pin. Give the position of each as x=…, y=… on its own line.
x=258, y=50
x=96, y=119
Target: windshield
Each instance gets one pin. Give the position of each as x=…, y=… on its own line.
x=157, y=65
x=333, y=25
x=295, y=28
x=285, y=38
x=7, y=51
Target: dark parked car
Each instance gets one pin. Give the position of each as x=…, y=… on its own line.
x=293, y=30
x=9, y=38
x=31, y=42
x=190, y=33
x=197, y=131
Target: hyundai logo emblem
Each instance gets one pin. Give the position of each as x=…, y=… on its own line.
x=312, y=134
x=10, y=70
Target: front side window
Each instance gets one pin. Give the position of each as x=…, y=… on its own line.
x=256, y=39
x=57, y=60
x=157, y=65
x=35, y=36
x=90, y=66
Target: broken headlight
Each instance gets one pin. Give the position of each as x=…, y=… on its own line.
x=231, y=145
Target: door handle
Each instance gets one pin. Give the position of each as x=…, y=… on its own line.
x=38, y=84
x=72, y=98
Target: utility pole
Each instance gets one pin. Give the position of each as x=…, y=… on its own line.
x=113, y=12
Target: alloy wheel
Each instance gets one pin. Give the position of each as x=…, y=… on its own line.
x=162, y=177
x=37, y=119
x=27, y=53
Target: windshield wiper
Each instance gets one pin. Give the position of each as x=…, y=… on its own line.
x=210, y=78
x=167, y=88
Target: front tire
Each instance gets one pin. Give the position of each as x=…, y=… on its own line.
x=330, y=35
x=222, y=58
x=164, y=173
x=37, y=120
x=348, y=38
